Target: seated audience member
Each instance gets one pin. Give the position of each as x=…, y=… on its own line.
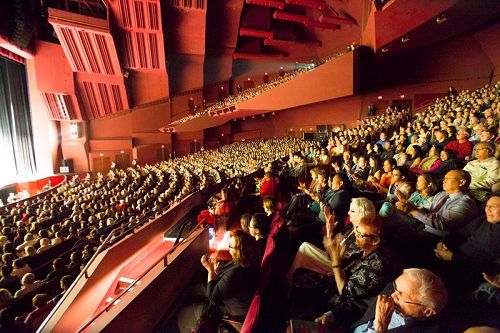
x=64, y=284
x=473, y=248
x=230, y=287
x=59, y=268
x=399, y=190
x=382, y=139
x=440, y=139
x=28, y=284
x=221, y=207
x=361, y=171
x=428, y=163
x=20, y=268
x=422, y=198
x=259, y=227
x=268, y=185
x=359, y=270
x=450, y=209
x=388, y=152
x=9, y=281
x=484, y=170
x=8, y=321
x=6, y=298
x=268, y=205
x=312, y=258
x=29, y=251
x=462, y=147
x=414, y=157
x=337, y=199
x=44, y=245
x=383, y=184
x=400, y=157
x=414, y=302
x=34, y=319
x=29, y=239
x=448, y=162
x=245, y=221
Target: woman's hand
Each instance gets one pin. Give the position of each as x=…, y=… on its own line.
x=336, y=249
x=330, y=221
x=209, y=263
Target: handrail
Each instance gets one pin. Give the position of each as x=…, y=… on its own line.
x=73, y=285
x=110, y=303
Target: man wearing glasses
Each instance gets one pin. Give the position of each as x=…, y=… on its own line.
x=450, y=209
x=412, y=303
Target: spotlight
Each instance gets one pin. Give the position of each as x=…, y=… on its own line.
x=405, y=39
x=385, y=50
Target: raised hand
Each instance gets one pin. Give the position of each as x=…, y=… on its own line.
x=383, y=313
x=330, y=221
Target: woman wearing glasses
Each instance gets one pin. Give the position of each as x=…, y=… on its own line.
x=354, y=266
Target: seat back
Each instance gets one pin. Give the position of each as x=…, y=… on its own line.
x=265, y=313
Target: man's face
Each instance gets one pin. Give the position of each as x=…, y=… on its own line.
x=382, y=136
x=486, y=136
x=452, y=181
x=482, y=152
x=336, y=183
x=462, y=135
x=388, y=146
x=405, y=297
x=492, y=210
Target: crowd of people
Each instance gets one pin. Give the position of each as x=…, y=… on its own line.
x=50, y=237
x=347, y=216
x=243, y=95
x=392, y=225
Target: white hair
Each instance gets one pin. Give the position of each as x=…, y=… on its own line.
x=365, y=208
x=431, y=292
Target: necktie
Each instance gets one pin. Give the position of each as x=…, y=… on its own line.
x=440, y=204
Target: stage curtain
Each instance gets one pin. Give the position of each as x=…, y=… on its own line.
x=16, y=137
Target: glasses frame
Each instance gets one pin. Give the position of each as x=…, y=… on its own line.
x=360, y=235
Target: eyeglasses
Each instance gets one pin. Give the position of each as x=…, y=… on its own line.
x=360, y=235
x=400, y=293
x=450, y=178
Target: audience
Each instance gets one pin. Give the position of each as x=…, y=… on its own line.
x=440, y=215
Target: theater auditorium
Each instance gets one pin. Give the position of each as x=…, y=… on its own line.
x=254, y=166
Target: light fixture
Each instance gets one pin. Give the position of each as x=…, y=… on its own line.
x=379, y=97
x=405, y=39
x=385, y=50
x=402, y=96
x=441, y=19
x=75, y=130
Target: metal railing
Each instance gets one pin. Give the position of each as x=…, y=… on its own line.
x=111, y=302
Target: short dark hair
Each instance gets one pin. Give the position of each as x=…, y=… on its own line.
x=261, y=222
